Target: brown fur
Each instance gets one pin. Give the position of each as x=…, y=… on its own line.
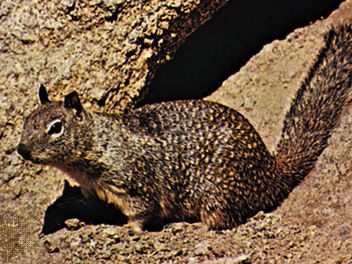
x=192, y=160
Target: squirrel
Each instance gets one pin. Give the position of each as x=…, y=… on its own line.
x=191, y=160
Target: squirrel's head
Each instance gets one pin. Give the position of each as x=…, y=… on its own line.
x=53, y=132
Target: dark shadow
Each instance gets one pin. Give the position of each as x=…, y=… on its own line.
x=225, y=43
x=72, y=204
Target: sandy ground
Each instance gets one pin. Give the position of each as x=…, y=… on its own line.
x=313, y=225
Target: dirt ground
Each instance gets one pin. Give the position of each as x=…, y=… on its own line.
x=313, y=225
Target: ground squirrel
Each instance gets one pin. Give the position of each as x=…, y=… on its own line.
x=191, y=160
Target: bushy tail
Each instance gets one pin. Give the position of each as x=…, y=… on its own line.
x=317, y=106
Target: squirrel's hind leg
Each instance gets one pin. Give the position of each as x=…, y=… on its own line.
x=216, y=216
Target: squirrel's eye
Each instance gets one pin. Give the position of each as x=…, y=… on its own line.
x=55, y=127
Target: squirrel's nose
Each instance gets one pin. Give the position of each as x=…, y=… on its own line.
x=23, y=151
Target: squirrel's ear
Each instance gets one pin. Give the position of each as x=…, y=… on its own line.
x=43, y=95
x=72, y=101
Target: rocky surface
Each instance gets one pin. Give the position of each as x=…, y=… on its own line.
x=313, y=224
x=108, y=50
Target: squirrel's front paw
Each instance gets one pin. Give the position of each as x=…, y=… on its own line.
x=136, y=226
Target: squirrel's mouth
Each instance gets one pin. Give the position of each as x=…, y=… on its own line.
x=36, y=161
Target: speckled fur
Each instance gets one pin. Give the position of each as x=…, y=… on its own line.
x=194, y=160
